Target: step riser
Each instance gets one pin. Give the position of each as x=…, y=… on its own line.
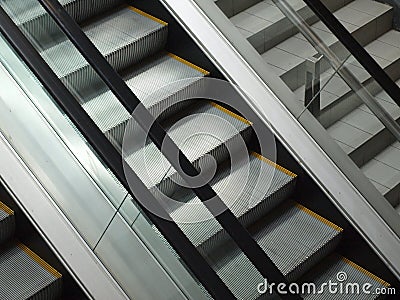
x=7, y=229
x=295, y=77
x=233, y=7
x=393, y=196
x=350, y=101
x=51, y=292
x=45, y=31
x=313, y=260
x=284, y=28
x=328, y=270
x=279, y=31
x=250, y=217
x=294, y=238
x=163, y=110
x=26, y=276
x=86, y=79
x=372, y=147
x=169, y=185
x=116, y=134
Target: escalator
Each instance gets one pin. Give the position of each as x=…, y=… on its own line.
x=29, y=269
x=300, y=242
x=350, y=122
x=24, y=274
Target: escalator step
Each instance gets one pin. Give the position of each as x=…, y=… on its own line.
x=338, y=269
x=124, y=37
x=144, y=80
x=209, y=130
x=251, y=189
x=295, y=239
x=7, y=223
x=30, y=15
x=24, y=275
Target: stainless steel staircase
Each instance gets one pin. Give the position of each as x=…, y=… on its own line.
x=298, y=241
x=23, y=274
x=361, y=135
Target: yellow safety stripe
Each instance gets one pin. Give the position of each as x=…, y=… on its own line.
x=40, y=261
x=140, y=12
x=189, y=64
x=317, y=216
x=280, y=168
x=6, y=209
x=369, y=274
x=232, y=114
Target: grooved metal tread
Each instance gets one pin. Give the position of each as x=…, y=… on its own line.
x=329, y=269
x=250, y=189
x=124, y=37
x=146, y=78
x=207, y=130
x=29, y=10
x=24, y=275
x=311, y=238
x=7, y=223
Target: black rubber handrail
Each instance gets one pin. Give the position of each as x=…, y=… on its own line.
x=166, y=145
x=356, y=49
x=112, y=158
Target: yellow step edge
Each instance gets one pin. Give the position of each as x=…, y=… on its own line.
x=40, y=261
x=6, y=209
x=280, y=168
x=232, y=114
x=140, y=12
x=318, y=217
x=189, y=64
x=362, y=270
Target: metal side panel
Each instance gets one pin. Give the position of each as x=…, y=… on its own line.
x=133, y=257
x=250, y=190
x=295, y=239
x=25, y=275
x=124, y=38
x=7, y=223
